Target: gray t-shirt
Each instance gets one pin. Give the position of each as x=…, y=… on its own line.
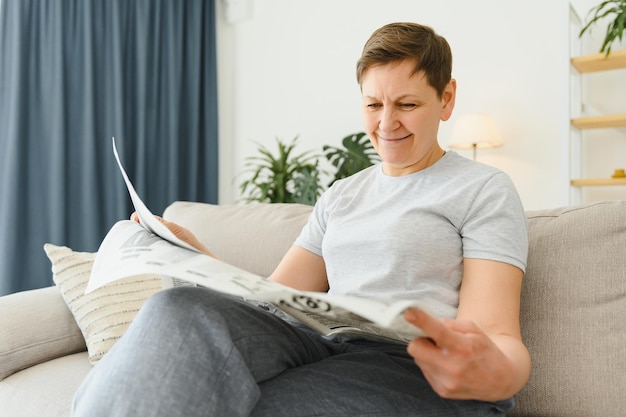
x=406, y=237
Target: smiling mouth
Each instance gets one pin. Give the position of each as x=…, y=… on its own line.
x=395, y=139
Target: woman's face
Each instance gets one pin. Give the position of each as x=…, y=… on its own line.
x=402, y=114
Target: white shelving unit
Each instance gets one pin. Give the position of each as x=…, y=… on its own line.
x=580, y=122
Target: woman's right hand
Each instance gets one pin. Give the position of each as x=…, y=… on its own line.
x=180, y=232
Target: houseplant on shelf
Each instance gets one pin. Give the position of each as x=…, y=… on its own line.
x=284, y=178
x=615, y=28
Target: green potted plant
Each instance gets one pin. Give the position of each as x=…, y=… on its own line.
x=289, y=178
x=282, y=178
x=616, y=9
x=357, y=154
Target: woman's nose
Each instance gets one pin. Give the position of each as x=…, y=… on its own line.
x=388, y=120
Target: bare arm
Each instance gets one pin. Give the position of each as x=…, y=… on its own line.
x=479, y=355
x=302, y=270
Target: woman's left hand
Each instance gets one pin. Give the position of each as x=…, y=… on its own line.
x=459, y=360
x=180, y=232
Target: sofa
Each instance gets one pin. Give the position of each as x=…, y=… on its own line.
x=573, y=309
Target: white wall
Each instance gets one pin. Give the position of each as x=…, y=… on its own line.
x=286, y=68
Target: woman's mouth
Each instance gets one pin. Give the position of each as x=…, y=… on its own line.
x=394, y=139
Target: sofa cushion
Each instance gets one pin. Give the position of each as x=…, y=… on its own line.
x=251, y=236
x=104, y=314
x=45, y=389
x=573, y=310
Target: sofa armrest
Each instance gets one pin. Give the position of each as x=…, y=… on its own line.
x=35, y=326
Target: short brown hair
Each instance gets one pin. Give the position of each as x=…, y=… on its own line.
x=400, y=41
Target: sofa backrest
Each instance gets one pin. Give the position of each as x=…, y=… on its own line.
x=574, y=312
x=251, y=236
x=573, y=296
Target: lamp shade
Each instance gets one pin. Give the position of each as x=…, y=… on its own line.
x=475, y=131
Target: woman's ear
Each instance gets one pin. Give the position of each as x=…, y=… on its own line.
x=448, y=99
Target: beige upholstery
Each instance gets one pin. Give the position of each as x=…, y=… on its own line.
x=574, y=302
x=573, y=311
x=254, y=237
x=45, y=389
x=35, y=326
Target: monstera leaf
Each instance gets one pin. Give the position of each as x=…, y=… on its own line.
x=357, y=154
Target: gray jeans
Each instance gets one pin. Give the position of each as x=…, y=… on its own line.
x=194, y=352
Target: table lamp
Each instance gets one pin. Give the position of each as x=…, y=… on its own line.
x=475, y=131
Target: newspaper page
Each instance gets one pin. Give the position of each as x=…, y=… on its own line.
x=131, y=249
x=149, y=221
x=146, y=217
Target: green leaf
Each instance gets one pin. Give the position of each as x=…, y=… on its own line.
x=282, y=177
x=285, y=177
x=615, y=28
x=357, y=154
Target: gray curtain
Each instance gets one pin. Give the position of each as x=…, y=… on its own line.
x=74, y=73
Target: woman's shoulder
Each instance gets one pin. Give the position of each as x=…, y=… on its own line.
x=468, y=170
x=453, y=160
x=358, y=177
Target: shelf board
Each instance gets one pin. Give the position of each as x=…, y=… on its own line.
x=597, y=122
x=599, y=181
x=600, y=62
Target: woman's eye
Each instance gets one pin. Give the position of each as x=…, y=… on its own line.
x=408, y=105
x=374, y=106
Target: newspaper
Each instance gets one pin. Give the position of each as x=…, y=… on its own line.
x=149, y=247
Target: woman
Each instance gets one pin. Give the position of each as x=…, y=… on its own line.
x=424, y=224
